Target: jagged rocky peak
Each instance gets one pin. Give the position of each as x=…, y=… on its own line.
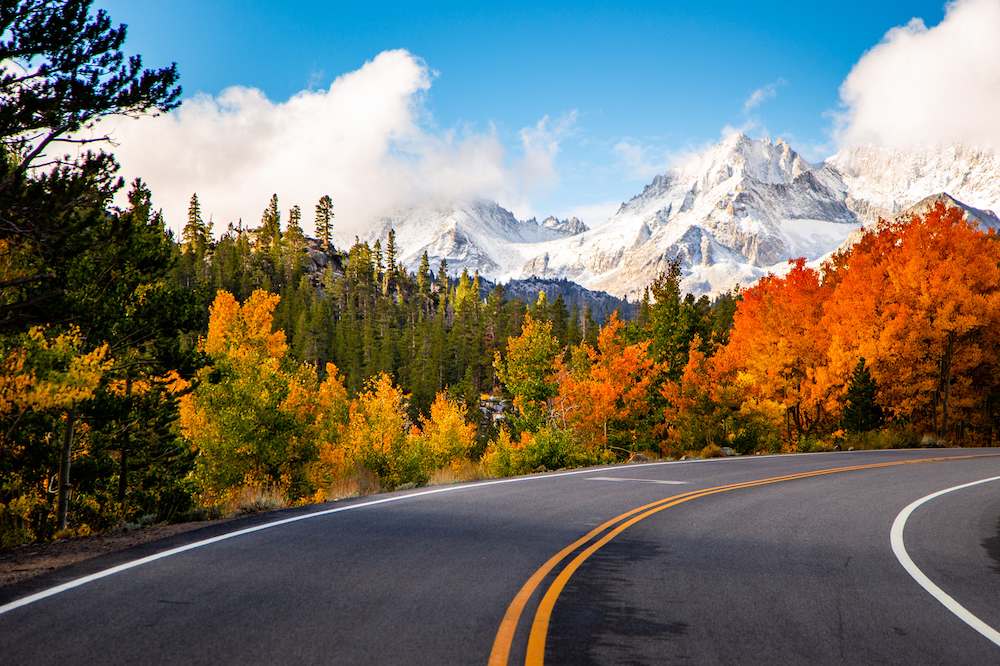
x=986, y=219
x=571, y=227
x=733, y=164
x=741, y=157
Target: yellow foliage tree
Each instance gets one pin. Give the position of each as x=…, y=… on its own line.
x=531, y=370
x=377, y=435
x=332, y=410
x=253, y=415
x=49, y=373
x=448, y=437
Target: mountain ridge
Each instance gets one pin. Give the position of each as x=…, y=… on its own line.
x=732, y=214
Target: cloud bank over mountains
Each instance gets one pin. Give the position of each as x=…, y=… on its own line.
x=367, y=141
x=928, y=85
x=371, y=143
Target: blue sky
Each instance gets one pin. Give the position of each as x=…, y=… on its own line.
x=624, y=92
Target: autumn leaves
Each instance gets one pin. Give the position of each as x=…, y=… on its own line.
x=912, y=310
x=918, y=299
x=260, y=419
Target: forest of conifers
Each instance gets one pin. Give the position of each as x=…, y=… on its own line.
x=146, y=378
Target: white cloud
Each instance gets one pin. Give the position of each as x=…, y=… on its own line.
x=928, y=85
x=363, y=141
x=761, y=95
x=642, y=161
x=753, y=125
x=541, y=145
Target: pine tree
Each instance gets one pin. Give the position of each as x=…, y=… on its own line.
x=424, y=275
x=390, y=254
x=589, y=327
x=294, y=242
x=270, y=224
x=193, y=234
x=559, y=316
x=442, y=278
x=862, y=412
x=324, y=221
x=377, y=253
x=574, y=336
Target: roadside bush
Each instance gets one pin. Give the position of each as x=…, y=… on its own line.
x=888, y=438
x=550, y=449
x=712, y=451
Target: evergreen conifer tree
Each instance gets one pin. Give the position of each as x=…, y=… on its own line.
x=324, y=221
x=193, y=236
x=270, y=224
x=424, y=275
x=862, y=412
x=442, y=278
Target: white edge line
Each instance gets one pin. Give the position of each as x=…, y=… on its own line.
x=52, y=591
x=659, y=481
x=896, y=538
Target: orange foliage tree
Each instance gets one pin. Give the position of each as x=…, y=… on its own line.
x=715, y=404
x=609, y=388
x=919, y=299
x=780, y=345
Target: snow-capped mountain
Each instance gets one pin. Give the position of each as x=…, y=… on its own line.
x=729, y=214
x=736, y=212
x=478, y=235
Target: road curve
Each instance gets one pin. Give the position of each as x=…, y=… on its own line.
x=771, y=559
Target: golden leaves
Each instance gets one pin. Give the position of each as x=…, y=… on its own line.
x=50, y=373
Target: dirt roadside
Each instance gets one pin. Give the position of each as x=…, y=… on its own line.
x=22, y=562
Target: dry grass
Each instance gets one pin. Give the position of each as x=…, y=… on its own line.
x=364, y=482
x=712, y=451
x=468, y=471
x=256, y=500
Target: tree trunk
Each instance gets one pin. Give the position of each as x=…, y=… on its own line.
x=64, y=465
x=934, y=411
x=126, y=443
x=946, y=381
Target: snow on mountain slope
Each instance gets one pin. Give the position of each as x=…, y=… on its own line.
x=730, y=214
x=476, y=235
x=881, y=182
x=738, y=211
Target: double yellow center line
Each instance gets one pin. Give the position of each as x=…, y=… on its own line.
x=539, y=627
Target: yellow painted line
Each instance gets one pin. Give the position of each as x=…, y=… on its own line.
x=536, y=641
x=505, y=635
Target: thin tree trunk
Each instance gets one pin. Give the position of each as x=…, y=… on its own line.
x=946, y=380
x=64, y=465
x=126, y=444
x=934, y=411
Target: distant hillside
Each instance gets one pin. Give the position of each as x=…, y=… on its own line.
x=600, y=303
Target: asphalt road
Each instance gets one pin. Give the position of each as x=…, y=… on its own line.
x=728, y=563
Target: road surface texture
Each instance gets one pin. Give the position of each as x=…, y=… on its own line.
x=755, y=560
